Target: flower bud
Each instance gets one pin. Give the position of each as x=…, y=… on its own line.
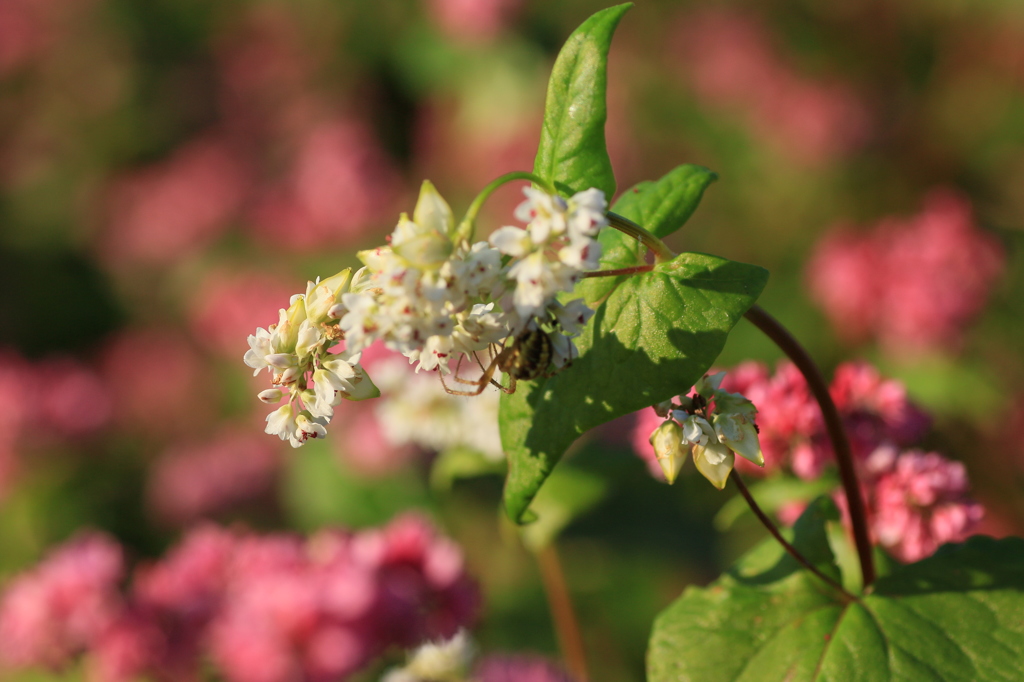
x=271, y=396
x=667, y=442
x=714, y=461
x=322, y=296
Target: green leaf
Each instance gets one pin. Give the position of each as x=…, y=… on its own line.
x=572, y=151
x=569, y=494
x=654, y=336
x=956, y=616
x=660, y=207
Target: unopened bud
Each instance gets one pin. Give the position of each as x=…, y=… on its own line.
x=667, y=442
x=271, y=396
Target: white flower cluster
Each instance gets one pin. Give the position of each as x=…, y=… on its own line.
x=716, y=424
x=296, y=352
x=432, y=296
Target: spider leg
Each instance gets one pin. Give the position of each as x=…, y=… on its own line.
x=456, y=377
x=481, y=384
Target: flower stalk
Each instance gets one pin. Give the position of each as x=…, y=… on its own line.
x=661, y=251
x=773, y=529
x=836, y=431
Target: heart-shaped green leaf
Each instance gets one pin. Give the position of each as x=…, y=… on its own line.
x=572, y=152
x=651, y=339
x=956, y=616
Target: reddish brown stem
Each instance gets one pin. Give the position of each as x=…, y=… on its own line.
x=773, y=529
x=836, y=432
x=567, y=628
x=620, y=271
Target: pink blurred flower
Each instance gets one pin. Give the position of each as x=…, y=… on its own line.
x=473, y=21
x=788, y=417
x=60, y=608
x=156, y=380
x=69, y=397
x=912, y=284
x=265, y=69
x=875, y=410
x=640, y=437
x=29, y=28
x=258, y=607
x=341, y=185
x=126, y=650
x=918, y=501
x=170, y=210
x=415, y=567
x=189, y=482
x=228, y=306
x=731, y=63
x=519, y=668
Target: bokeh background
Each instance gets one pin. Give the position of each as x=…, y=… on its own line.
x=172, y=171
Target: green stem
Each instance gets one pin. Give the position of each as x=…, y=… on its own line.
x=836, y=432
x=661, y=252
x=465, y=229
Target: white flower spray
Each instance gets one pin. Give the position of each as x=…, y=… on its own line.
x=433, y=296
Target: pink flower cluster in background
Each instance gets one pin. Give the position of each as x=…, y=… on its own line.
x=258, y=608
x=45, y=403
x=191, y=481
x=909, y=283
x=730, y=62
x=916, y=500
x=175, y=208
x=473, y=20
x=340, y=185
x=227, y=306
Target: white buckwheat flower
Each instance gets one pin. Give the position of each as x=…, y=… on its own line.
x=715, y=424
x=305, y=374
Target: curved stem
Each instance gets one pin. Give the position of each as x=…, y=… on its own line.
x=661, y=252
x=465, y=229
x=773, y=529
x=836, y=432
x=567, y=628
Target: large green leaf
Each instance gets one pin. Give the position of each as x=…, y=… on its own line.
x=956, y=616
x=572, y=151
x=651, y=339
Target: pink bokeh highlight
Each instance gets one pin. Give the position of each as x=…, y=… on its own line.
x=228, y=306
x=911, y=284
x=340, y=186
x=473, y=21
x=196, y=480
x=173, y=209
x=731, y=63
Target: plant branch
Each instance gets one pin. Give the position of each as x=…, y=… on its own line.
x=465, y=228
x=836, y=432
x=567, y=628
x=773, y=529
x=661, y=252
x=635, y=270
